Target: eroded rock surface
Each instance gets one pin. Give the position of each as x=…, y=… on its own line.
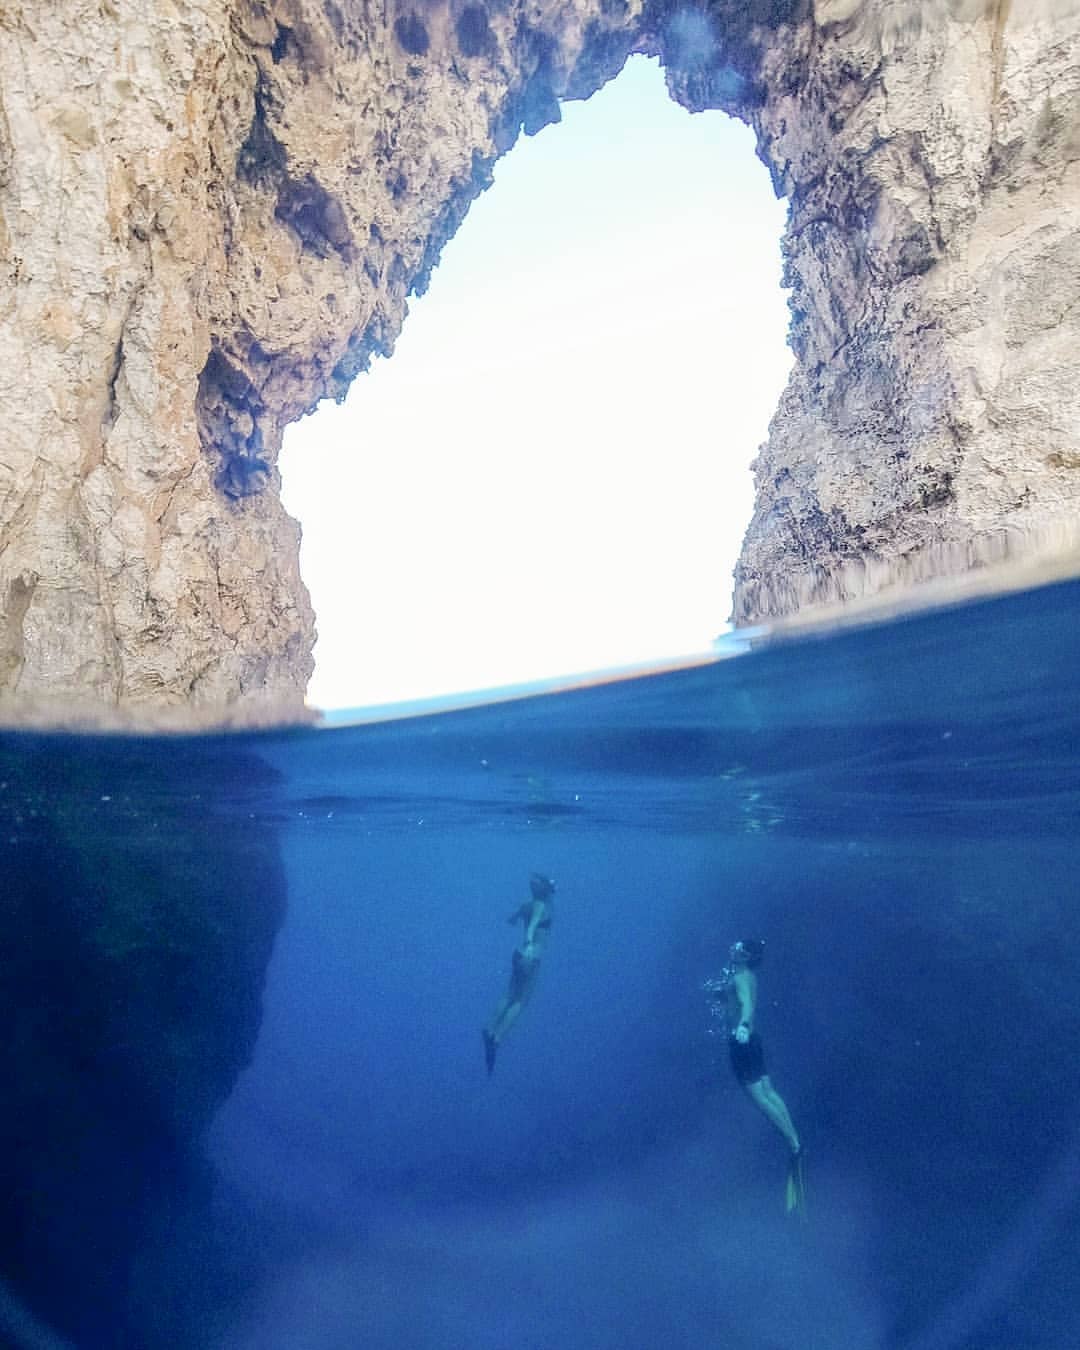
x=212, y=213
x=931, y=154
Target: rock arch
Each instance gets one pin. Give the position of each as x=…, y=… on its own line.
x=212, y=216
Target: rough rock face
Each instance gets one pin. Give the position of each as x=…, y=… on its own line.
x=931, y=154
x=212, y=213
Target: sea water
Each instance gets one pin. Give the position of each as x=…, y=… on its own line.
x=244, y=980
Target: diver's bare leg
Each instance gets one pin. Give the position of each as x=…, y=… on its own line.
x=495, y=1021
x=771, y=1104
x=521, y=988
x=493, y=1033
x=508, y=1014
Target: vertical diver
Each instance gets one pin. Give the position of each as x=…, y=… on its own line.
x=739, y=987
x=536, y=914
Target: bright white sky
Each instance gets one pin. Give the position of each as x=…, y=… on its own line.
x=551, y=474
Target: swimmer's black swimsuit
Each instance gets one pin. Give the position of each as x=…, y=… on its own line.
x=747, y=1061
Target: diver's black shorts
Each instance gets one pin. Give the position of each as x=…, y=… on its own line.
x=747, y=1061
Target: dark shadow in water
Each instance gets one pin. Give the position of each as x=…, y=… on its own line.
x=138, y=921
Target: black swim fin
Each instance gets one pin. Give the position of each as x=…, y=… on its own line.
x=490, y=1046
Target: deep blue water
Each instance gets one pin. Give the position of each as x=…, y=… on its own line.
x=246, y=978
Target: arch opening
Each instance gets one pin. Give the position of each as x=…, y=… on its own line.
x=552, y=474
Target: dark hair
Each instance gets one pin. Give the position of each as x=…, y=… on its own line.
x=542, y=887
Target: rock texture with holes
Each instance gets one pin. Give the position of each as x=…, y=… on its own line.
x=212, y=213
x=931, y=153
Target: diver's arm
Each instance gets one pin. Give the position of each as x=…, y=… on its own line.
x=535, y=918
x=744, y=992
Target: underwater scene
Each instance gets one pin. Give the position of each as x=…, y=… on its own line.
x=436, y=1033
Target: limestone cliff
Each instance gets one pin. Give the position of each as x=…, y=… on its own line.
x=931, y=154
x=212, y=213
